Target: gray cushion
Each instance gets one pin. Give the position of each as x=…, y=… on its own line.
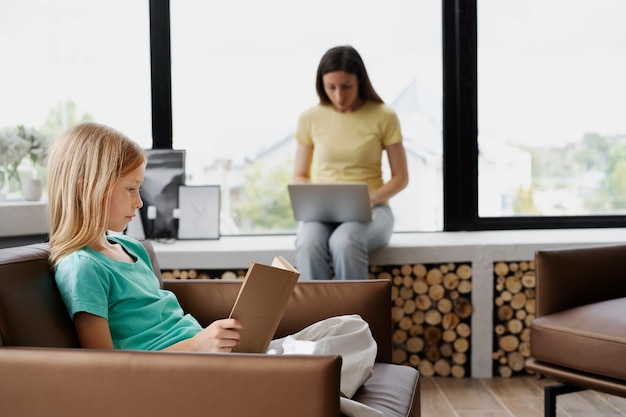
x=390, y=390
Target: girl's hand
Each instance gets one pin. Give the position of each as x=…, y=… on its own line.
x=220, y=336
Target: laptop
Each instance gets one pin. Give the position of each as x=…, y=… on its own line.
x=336, y=203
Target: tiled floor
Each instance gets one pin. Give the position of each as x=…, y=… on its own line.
x=509, y=397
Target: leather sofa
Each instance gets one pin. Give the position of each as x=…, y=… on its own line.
x=578, y=336
x=43, y=371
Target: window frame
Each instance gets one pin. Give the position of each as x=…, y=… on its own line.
x=161, y=74
x=460, y=135
x=460, y=121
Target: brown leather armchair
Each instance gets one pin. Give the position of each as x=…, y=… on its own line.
x=44, y=373
x=579, y=334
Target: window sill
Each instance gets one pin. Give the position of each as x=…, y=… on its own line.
x=23, y=218
x=426, y=247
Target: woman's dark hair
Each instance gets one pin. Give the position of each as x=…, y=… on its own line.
x=347, y=59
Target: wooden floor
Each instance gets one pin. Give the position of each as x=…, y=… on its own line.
x=509, y=397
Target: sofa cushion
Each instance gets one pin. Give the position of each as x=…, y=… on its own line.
x=391, y=389
x=590, y=338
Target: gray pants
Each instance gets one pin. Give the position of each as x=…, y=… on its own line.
x=347, y=245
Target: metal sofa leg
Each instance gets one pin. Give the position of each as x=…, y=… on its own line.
x=550, y=393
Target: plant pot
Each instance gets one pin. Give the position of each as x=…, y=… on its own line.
x=32, y=189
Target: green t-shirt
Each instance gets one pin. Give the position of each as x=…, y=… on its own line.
x=141, y=315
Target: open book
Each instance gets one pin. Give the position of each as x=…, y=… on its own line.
x=261, y=303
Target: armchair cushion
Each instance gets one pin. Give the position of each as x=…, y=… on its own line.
x=392, y=389
x=32, y=312
x=590, y=338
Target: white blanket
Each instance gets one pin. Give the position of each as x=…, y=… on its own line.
x=348, y=336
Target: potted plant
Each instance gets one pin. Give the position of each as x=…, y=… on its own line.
x=22, y=148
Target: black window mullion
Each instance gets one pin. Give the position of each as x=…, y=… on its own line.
x=460, y=150
x=160, y=68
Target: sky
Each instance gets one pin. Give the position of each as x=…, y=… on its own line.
x=568, y=60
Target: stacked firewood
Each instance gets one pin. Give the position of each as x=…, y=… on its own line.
x=195, y=274
x=514, y=309
x=431, y=314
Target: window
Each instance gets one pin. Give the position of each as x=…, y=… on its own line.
x=552, y=136
x=472, y=44
x=241, y=76
x=242, y=72
x=68, y=61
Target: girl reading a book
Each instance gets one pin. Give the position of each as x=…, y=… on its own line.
x=107, y=282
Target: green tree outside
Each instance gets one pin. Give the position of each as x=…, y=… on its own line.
x=265, y=201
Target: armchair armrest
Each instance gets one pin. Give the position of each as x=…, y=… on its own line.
x=568, y=278
x=311, y=301
x=42, y=382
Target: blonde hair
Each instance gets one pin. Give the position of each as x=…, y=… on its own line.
x=83, y=166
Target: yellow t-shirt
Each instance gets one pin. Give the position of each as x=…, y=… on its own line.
x=348, y=147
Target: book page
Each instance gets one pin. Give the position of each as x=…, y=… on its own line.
x=280, y=262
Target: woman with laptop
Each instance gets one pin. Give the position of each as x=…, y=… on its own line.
x=341, y=140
